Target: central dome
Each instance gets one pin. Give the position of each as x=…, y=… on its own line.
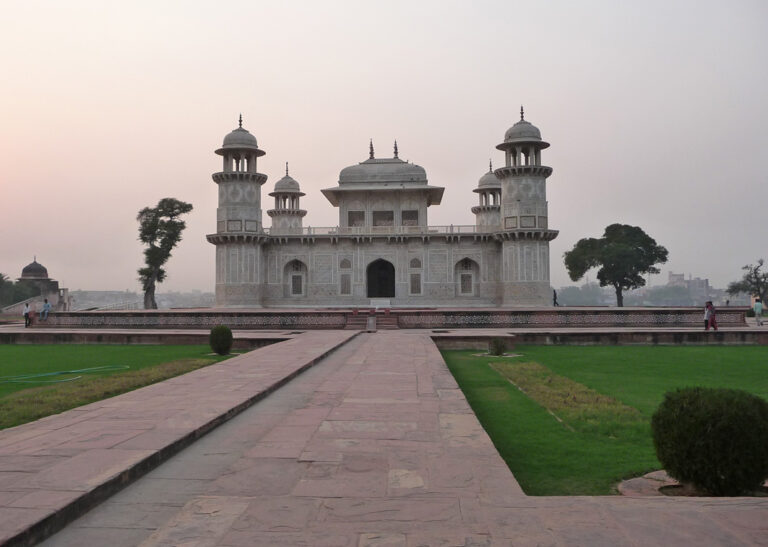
x=384, y=170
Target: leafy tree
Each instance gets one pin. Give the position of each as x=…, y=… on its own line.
x=160, y=229
x=624, y=254
x=754, y=282
x=11, y=292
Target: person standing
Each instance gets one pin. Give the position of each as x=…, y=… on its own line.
x=27, y=319
x=710, y=319
x=758, y=307
x=46, y=311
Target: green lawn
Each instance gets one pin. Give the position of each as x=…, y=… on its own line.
x=596, y=444
x=39, y=380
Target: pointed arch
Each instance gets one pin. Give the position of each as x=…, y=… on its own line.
x=466, y=274
x=295, y=278
x=380, y=279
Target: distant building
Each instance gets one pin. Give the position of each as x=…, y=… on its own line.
x=36, y=274
x=383, y=251
x=699, y=290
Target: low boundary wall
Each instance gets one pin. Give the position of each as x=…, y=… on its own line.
x=567, y=318
x=405, y=318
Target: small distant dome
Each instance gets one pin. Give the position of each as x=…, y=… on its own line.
x=489, y=180
x=287, y=184
x=522, y=131
x=240, y=138
x=35, y=270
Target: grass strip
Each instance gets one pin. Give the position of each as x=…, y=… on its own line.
x=579, y=407
x=30, y=404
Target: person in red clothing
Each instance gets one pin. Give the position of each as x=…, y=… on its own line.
x=710, y=316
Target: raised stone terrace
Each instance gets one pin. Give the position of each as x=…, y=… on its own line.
x=373, y=445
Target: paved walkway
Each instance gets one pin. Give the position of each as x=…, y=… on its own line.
x=52, y=468
x=377, y=446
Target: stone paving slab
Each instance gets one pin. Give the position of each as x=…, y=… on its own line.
x=55, y=468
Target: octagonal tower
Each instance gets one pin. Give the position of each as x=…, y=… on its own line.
x=524, y=218
x=287, y=215
x=239, y=231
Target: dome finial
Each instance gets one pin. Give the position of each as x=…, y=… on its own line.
x=370, y=149
x=34, y=258
x=490, y=165
x=286, y=169
x=396, y=149
x=240, y=121
x=522, y=114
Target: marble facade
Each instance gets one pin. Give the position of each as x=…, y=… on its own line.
x=383, y=249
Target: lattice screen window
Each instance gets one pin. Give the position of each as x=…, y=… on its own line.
x=410, y=218
x=297, y=284
x=345, y=264
x=345, y=286
x=383, y=218
x=415, y=264
x=415, y=283
x=465, y=281
x=356, y=218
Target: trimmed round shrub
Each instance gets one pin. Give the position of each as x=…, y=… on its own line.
x=497, y=346
x=221, y=339
x=750, y=313
x=714, y=439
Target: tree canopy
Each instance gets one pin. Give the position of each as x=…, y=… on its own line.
x=754, y=282
x=624, y=254
x=11, y=292
x=160, y=229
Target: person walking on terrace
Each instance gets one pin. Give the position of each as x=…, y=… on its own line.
x=27, y=318
x=758, y=307
x=710, y=319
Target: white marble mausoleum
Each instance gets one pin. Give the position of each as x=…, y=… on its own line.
x=384, y=251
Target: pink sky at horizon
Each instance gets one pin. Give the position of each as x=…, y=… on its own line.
x=655, y=112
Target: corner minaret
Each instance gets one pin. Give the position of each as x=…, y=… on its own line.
x=524, y=218
x=239, y=229
x=487, y=218
x=287, y=215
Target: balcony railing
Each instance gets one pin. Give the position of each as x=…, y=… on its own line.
x=378, y=230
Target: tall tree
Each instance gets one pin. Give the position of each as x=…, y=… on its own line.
x=160, y=229
x=624, y=254
x=754, y=282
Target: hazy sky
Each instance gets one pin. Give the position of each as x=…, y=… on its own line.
x=657, y=113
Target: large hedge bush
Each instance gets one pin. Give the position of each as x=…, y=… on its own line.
x=714, y=439
x=221, y=339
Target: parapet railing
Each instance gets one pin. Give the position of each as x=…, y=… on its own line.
x=378, y=230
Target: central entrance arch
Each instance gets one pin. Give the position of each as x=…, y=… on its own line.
x=380, y=277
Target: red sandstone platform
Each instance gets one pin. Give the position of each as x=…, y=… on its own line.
x=375, y=445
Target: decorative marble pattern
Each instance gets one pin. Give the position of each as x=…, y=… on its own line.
x=194, y=320
x=295, y=319
x=562, y=318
